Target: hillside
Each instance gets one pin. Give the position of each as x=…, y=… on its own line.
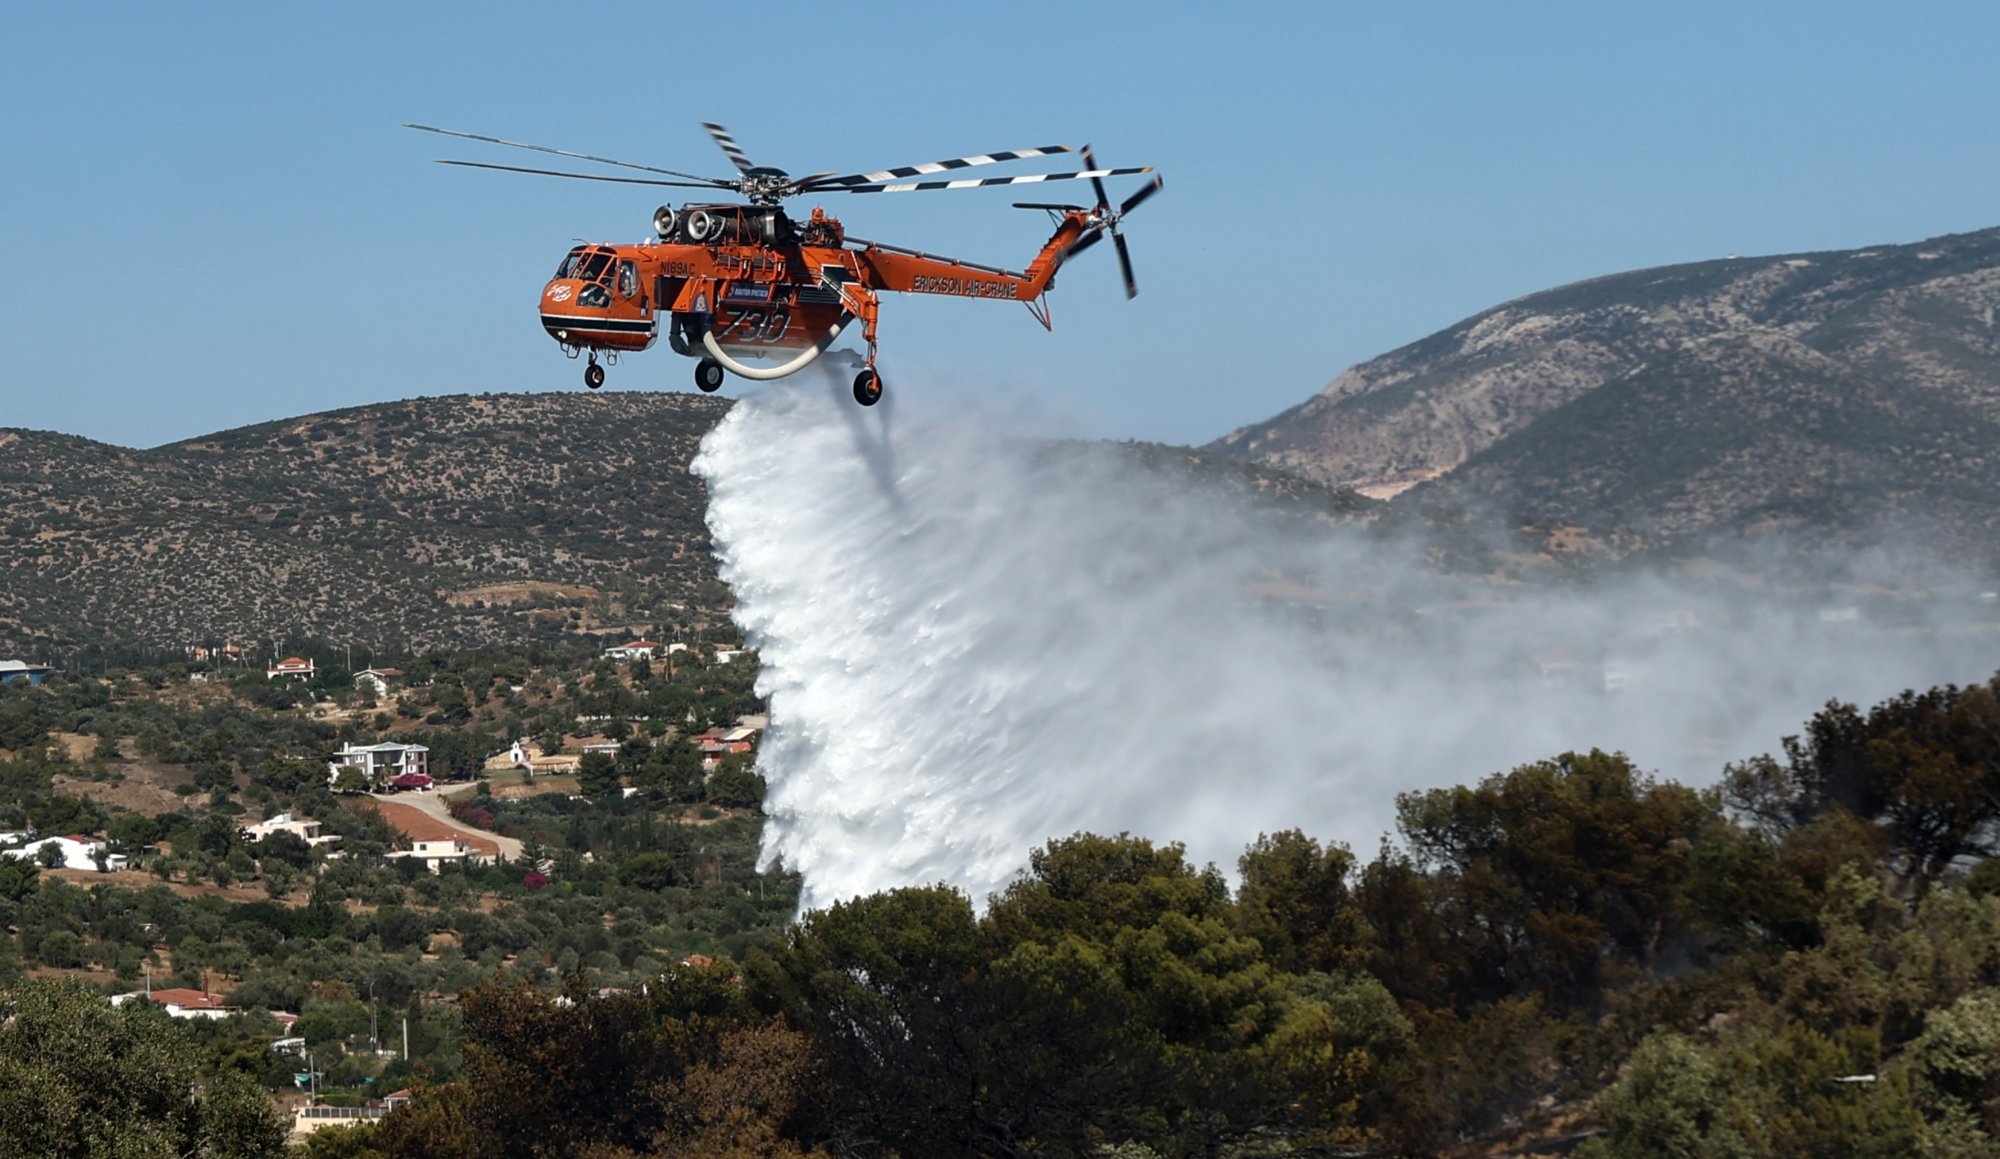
x=436, y=522
x=1827, y=395
x=432, y=522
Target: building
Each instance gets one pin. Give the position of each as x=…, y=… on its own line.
x=17, y=670
x=291, y=667
x=313, y=1117
x=436, y=852
x=377, y=680
x=78, y=852
x=728, y=655
x=379, y=763
x=634, y=650
x=719, y=743
x=518, y=756
x=182, y=1003
x=306, y=831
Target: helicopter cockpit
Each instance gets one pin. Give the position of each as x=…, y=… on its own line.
x=603, y=271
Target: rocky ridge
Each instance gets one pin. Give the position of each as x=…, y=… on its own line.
x=1826, y=396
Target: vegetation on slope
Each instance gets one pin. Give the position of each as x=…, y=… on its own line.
x=451, y=521
x=1566, y=949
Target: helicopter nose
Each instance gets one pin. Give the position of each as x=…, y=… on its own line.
x=560, y=292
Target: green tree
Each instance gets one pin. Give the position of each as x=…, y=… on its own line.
x=61, y=813
x=80, y=1078
x=1673, y=1102
x=652, y=872
x=19, y=878
x=1924, y=766
x=735, y=785
x=597, y=776
x=1545, y=878
x=1296, y=902
x=284, y=847
x=889, y=987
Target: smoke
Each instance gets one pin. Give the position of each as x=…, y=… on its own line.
x=973, y=643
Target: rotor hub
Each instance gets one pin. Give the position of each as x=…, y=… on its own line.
x=765, y=185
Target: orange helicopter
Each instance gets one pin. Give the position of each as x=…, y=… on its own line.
x=732, y=281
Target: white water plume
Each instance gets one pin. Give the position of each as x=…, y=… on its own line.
x=973, y=643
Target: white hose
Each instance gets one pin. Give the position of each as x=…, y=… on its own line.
x=766, y=374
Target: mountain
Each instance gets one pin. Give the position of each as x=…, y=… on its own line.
x=1825, y=396
x=433, y=522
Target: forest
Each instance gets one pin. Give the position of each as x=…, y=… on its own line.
x=1569, y=956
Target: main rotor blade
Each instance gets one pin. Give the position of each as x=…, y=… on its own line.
x=594, y=176
x=1096, y=183
x=1137, y=199
x=881, y=175
x=1125, y=265
x=562, y=153
x=729, y=146
x=1051, y=205
x=976, y=182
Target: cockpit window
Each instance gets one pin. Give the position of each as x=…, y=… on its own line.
x=567, y=268
x=628, y=279
x=593, y=265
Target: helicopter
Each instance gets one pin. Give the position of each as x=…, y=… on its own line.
x=731, y=281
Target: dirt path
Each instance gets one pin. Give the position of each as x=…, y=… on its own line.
x=434, y=821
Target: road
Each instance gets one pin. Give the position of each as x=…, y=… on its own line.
x=431, y=802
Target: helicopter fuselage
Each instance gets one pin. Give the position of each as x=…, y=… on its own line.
x=738, y=282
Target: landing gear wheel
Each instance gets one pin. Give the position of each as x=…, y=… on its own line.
x=708, y=375
x=593, y=376
x=868, y=387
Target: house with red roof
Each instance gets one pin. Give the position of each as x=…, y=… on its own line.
x=292, y=667
x=181, y=1002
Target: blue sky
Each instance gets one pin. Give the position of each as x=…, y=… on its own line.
x=211, y=217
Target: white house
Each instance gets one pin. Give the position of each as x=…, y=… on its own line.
x=78, y=852
x=727, y=655
x=434, y=853
x=379, y=762
x=633, y=650
x=377, y=680
x=307, y=831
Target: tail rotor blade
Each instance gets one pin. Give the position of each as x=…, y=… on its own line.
x=1137, y=199
x=1125, y=266
x=1084, y=242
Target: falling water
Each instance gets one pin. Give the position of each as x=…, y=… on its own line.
x=973, y=643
